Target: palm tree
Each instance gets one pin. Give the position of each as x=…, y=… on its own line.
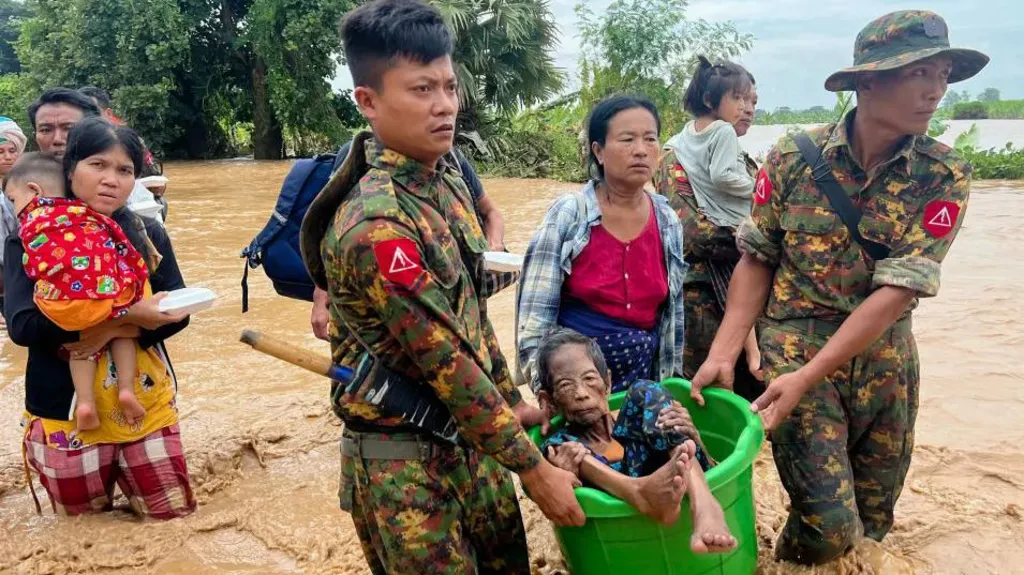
x=502, y=54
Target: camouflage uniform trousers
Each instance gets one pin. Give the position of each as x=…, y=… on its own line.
x=453, y=512
x=703, y=319
x=844, y=452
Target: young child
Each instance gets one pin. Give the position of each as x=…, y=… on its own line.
x=86, y=272
x=649, y=456
x=721, y=99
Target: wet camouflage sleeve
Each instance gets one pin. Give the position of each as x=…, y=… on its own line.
x=421, y=320
x=915, y=260
x=761, y=234
x=500, y=373
x=701, y=238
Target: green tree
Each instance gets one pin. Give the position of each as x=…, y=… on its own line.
x=649, y=46
x=130, y=47
x=502, y=54
x=16, y=94
x=298, y=43
x=989, y=95
x=12, y=12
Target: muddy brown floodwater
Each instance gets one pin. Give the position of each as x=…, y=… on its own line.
x=261, y=441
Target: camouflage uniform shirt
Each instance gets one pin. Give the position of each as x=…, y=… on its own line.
x=913, y=203
x=399, y=257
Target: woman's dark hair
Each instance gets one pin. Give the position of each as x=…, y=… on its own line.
x=713, y=81
x=555, y=341
x=96, y=135
x=601, y=116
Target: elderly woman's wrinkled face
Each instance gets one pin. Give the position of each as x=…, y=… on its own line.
x=105, y=180
x=8, y=155
x=630, y=149
x=578, y=390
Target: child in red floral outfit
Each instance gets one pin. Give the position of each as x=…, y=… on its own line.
x=86, y=272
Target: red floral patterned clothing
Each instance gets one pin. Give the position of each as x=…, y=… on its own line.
x=85, y=269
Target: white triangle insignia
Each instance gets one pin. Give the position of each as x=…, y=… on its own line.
x=942, y=219
x=401, y=262
x=760, y=192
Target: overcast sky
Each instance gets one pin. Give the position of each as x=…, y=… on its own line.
x=798, y=43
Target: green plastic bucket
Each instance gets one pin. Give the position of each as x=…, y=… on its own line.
x=617, y=539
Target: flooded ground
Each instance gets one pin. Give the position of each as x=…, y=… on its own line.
x=990, y=134
x=261, y=441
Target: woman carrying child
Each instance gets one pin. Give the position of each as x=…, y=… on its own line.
x=79, y=467
x=709, y=182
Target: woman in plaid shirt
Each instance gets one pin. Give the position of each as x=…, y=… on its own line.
x=607, y=261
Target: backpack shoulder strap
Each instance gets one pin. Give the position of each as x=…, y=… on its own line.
x=821, y=171
x=321, y=212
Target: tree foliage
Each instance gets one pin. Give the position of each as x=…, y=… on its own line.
x=130, y=47
x=12, y=12
x=299, y=43
x=188, y=73
x=989, y=95
x=650, y=46
x=502, y=54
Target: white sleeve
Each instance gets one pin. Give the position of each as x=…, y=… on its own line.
x=728, y=170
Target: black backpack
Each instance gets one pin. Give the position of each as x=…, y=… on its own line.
x=276, y=247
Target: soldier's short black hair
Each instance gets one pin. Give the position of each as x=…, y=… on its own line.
x=37, y=165
x=63, y=96
x=101, y=96
x=711, y=82
x=557, y=339
x=377, y=34
x=601, y=116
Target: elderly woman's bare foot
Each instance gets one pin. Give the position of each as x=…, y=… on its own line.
x=710, y=533
x=659, y=494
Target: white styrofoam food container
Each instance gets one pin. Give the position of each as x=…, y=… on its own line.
x=153, y=181
x=188, y=300
x=502, y=262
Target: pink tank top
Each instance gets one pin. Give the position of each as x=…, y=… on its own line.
x=626, y=281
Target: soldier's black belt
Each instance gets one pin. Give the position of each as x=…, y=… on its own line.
x=828, y=327
x=377, y=446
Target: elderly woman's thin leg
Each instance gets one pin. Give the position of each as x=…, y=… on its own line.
x=657, y=495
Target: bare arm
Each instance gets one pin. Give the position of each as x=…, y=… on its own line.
x=494, y=223
x=748, y=292
x=862, y=328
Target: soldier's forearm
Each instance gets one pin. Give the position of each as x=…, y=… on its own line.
x=748, y=292
x=860, y=329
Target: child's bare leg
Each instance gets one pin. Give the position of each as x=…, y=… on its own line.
x=123, y=350
x=657, y=495
x=83, y=376
x=710, y=533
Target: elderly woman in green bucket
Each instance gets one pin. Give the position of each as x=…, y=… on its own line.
x=649, y=456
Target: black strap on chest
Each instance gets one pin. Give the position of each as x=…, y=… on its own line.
x=826, y=182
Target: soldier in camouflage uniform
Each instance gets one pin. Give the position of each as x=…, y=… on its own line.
x=836, y=337
x=703, y=241
x=394, y=242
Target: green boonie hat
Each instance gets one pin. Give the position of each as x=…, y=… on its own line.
x=901, y=38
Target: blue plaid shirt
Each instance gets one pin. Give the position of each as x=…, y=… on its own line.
x=561, y=237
